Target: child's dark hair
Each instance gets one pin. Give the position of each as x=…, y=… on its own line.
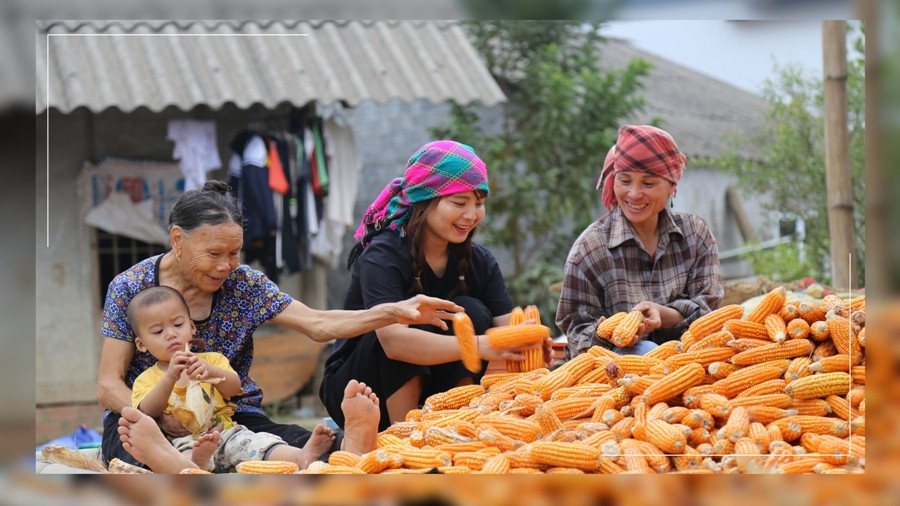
x=149, y=297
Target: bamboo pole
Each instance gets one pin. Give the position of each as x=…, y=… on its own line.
x=837, y=153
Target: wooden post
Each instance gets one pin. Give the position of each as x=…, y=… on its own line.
x=837, y=154
x=740, y=216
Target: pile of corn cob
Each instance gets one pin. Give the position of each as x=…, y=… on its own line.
x=778, y=390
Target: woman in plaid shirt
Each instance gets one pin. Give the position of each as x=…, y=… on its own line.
x=642, y=255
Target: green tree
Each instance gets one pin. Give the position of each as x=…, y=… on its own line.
x=561, y=118
x=791, y=170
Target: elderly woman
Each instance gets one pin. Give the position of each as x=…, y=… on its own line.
x=227, y=302
x=642, y=255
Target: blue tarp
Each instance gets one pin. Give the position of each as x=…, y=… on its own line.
x=83, y=437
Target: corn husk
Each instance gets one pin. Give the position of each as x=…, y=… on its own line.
x=195, y=412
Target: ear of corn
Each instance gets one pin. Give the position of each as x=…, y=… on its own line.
x=776, y=329
x=772, y=302
x=811, y=312
x=626, y=330
x=743, y=329
x=743, y=379
x=798, y=328
x=377, y=461
x=788, y=349
x=818, y=386
x=344, y=458
x=608, y=325
x=519, y=335
x=517, y=316
x=674, y=384
x=266, y=467
x=558, y=454
x=714, y=321
x=454, y=398
x=468, y=347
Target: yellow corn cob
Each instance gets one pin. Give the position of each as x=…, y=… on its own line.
x=580, y=390
x=858, y=374
x=698, y=436
x=266, y=467
x=532, y=313
x=789, y=349
x=842, y=336
x=454, y=398
x=798, y=328
x=835, y=363
x=743, y=329
x=819, y=385
x=493, y=437
x=818, y=331
x=691, y=397
x=517, y=428
x=117, y=466
x=856, y=396
x=776, y=329
x=772, y=386
x=716, y=404
x=768, y=414
x=748, y=456
x=626, y=330
x=759, y=435
x=571, y=407
x=698, y=418
x=716, y=339
x=623, y=428
x=473, y=460
x=665, y=436
x=824, y=349
x=833, y=302
x=738, y=424
x=435, y=436
x=861, y=337
x=633, y=457
x=519, y=335
x=343, y=458
x=789, y=311
x=814, y=424
x=858, y=425
x=772, y=302
x=687, y=339
x=713, y=321
x=656, y=458
x=517, y=316
x=559, y=454
x=674, y=384
x=742, y=379
x=187, y=470
x=719, y=370
x=497, y=464
x=799, y=465
x=798, y=368
x=842, y=408
x=607, y=326
x=665, y=350
x=707, y=356
x=547, y=420
x=420, y=458
x=596, y=376
x=490, y=380
x=401, y=429
x=690, y=460
x=746, y=343
x=811, y=312
x=578, y=366
x=817, y=407
x=674, y=414
x=377, y=461
x=468, y=346
x=774, y=400
x=462, y=446
x=560, y=378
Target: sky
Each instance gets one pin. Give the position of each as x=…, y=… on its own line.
x=742, y=53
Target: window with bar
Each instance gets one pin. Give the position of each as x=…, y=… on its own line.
x=115, y=253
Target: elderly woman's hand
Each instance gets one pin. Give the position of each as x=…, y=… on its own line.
x=424, y=310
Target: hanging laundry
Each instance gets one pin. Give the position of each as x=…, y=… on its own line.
x=195, y=147
x=317, y=157
x=277, y=181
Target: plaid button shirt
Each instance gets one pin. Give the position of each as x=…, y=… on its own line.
x=608, y=271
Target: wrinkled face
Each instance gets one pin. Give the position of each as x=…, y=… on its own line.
x=163, y=328
x=455, y=216
x=208, y=253
x=640, y=195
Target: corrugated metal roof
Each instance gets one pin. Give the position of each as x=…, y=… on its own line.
x=698, y=110
x=160, y=64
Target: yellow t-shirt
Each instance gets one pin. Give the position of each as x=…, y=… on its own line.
x=223, y=409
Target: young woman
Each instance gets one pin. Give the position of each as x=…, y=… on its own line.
x=416, y=238
x=641, y=255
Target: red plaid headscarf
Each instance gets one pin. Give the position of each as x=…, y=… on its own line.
x=641, y=148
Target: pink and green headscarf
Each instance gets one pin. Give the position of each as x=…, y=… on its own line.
x=437, y=169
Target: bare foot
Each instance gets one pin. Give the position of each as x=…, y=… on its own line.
x=204, y=447
x=319, y=442
x=361, y=416
x=142, y=438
